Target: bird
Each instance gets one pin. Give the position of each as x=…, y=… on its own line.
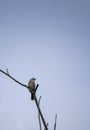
x=31, y=87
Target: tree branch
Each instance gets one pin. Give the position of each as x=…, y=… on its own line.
x=43, y=120
x=39, y=110
x=7, y=74
x=55, y=122
x=39, y=114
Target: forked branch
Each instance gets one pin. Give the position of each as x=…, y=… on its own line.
x=39, y=110
x=7, y=74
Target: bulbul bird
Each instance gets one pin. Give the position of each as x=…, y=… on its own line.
x=31, y=87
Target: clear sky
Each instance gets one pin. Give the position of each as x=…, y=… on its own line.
x=48, y=40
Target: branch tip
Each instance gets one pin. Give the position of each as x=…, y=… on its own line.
x=7, y=71
x=55, y=122
x=7, y=74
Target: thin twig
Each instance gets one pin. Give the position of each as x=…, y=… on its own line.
x=55, y=122
x=39, y=114
x=39, y=110
x=43, y=120
x=7, y=71
x=7, y=74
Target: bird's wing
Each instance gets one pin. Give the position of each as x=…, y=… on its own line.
x=31, y=84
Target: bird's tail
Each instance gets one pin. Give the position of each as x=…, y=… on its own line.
x=32, y=96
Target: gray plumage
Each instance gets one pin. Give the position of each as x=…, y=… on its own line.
x=31, y=86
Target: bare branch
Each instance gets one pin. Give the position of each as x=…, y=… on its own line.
x=39, y=100
x=39, y=110
x=39, y=114
x=7, y=71
x=55, y=122
x=47, y=125
x=36, y=87
x=7, y=74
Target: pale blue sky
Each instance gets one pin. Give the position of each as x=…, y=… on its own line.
x=48, y=40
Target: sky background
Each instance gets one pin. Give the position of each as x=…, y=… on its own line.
x=48, y=40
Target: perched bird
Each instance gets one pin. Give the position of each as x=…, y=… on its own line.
x=31, y=87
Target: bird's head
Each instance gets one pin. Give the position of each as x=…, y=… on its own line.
x=33, y=79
